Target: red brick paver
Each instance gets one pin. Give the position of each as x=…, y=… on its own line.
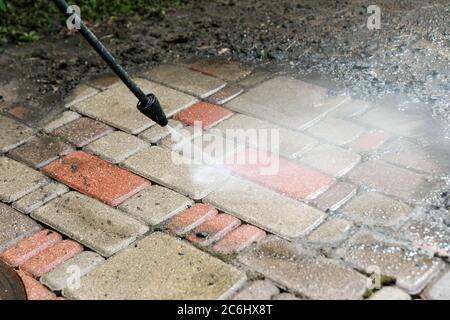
x=51, y=257
x=370, y=141
x=209, y=114
x=238, y=239
x=34, y=289
x=191, y=218
x=30, y=247
x=95, y=177
x=294, y=180
x=214, y=229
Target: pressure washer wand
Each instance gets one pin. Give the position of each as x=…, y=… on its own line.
x=148, y=104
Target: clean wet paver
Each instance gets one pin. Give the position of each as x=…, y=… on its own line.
x=370, y=141
x=90, y=222
x=308, y=276
x=17, y=180
x=160, y=267
x=12, y=134
x=40, y=196
x=331, y=231
x=207, y=114
x=96, y=178
x=440, y=288
x=116, y=146
x=190, y=218
x=117, y=106
x=253, y=203
x=213, y=230
x=170, y=170
x=155, y=205
x=336, y=196
x=258, y=290
x=239, y=239
x=336, y=131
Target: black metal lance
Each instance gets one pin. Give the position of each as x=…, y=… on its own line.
x=148, y=103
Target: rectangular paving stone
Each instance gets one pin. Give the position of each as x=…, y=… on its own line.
x=12, y=134
x=29, y=247
x=18, y=180
x=34, y=289
x=40, y=197
x=311, y=277
x=117, y=106
x=116, y=146
x=90, y=222
x=244, y=128
x=167, y=168
x=213, y=230
x=392, y=180
x=439, y=289
x=51, y=257
x=335, y=197
x=393, y=121
x=82, y=131
x=226, y=94
x=160, y=267
x=62, y=119
x=186, y=80
x=156, y=133
x=390, y=293
x=60, y=277
x=221, y=68
x=14, y=226
x=376, y=209
x=333, y=160
x=80, y=93
x=239, y=239
x=207, y=114
x=258, y=290
x=155, y=205
x=180, y=138
x=96, y=178
x=255, y=204
x=190, y=218
x=285, y=101
x=370, y=141
x=331, y=231
x=288, y=178
x=40, y=151
x=367, y=251
x=336, y=131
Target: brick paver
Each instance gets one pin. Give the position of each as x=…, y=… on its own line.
x=370, y=141
x=376, y=209
x=336, y=131
x=186, y=80
x=390, y=293
x=12, y=134
x=239, y=239
x=439, y=289
x=41, y=151
x=96, y=178
x=156, y=164
x=368, y=251
x=258, y=290
x=51, y=257
x=160, y=267
x=117, y=106
x=60, y=277
x=330, y=159
x=190, y=218
x=291, y=143
x=17, y=180
x=82, y=131
x=335, y=197
x=116, y=146
x=80, y=93
x=310, y=277
x=256, y=204
x=40, y=197
x=392, y=180
x=156, y=133
x=294, y=180
x=155, y=205
x=220, y=68
x=34, y=289
x=330, y=232
x=226, y=94
x=213, y=230
x=207, y=113
x=29, y=247
x=62, y=119
x=90, y=222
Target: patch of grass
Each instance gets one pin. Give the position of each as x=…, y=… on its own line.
x=27, y=20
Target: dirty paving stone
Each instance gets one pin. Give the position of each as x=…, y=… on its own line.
x=258, y=290
x=34, y=289
x=253, y=204
x=213, y=230
x=331, y=231
x=62, y=119
x=116, y=146
x=39, y=197
x=155, y=205
x=160, y=267
x=190, y=218
x=12, y=134
x=80, y=93
x=285, y=296
x=411, y=269
x=239, y=239
x=40, y=151
x=104, y=81
x=90, y=222
x=335, y=197
x=309, y=276
x=225, y=95
x=390, y=293
x=221, y=68
x=156, y=133
x=14, y=226
x=60, y=277
x=18, y=180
